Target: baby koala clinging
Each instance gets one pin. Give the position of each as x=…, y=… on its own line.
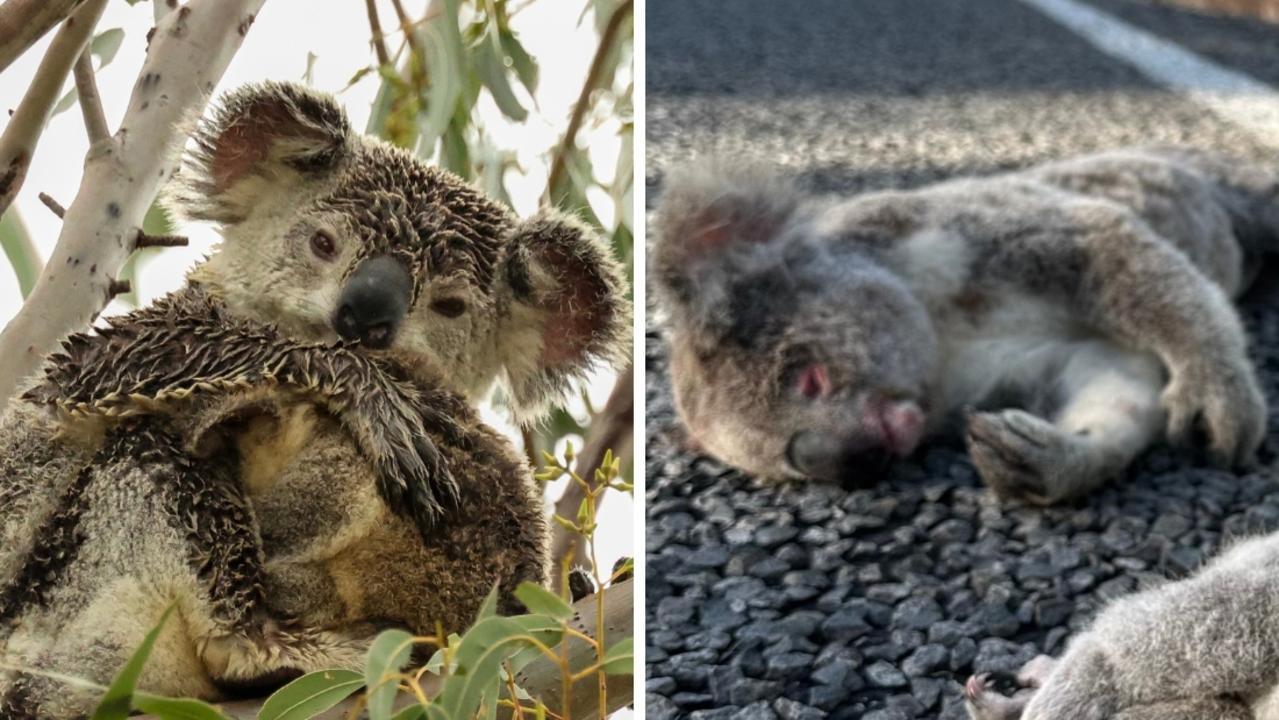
x=1081, y=310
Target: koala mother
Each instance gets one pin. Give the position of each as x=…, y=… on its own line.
x=1081, y=309
x=329, y=238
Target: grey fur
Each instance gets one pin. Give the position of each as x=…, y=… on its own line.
x=1078, y=310
x=221, y=451
x=1199, y=648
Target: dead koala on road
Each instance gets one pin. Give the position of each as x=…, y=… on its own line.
x=1066, y=316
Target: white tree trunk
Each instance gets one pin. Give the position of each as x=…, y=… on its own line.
x=188, y=53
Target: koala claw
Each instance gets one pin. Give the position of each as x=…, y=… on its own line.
x=1017, y=454
x=1225, y=400
x=984, y=703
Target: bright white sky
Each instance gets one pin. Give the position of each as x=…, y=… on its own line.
x=276, y=49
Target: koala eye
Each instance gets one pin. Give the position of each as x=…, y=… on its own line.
x=449, y=307
x=323, y=245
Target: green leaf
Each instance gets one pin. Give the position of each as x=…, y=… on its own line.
x=488, y=608
x=21, y=251
x=389, y=652
x=541, y=601
x=412, y=712
x=64, y=103
x=525, y=66
x=456, y=155
x=118, y=700
x=105, y=45
x=446, y=85
x=311, y=695
x=480, y=655
x=358, y=76
x=490, y=63
x=175, y=708
x=620, y=658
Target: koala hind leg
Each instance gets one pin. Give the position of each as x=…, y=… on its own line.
x=1108, y=411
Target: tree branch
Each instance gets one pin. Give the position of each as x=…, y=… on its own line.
x=95, y=120
x=22, y=22
x=188, y=53
x=378, y=40
x=560, y=164
x=18, y=143
x=611, y=428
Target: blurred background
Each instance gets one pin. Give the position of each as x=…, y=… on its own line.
x=535, y=88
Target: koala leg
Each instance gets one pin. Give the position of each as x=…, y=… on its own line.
x=1109, y=411
x=1209, y=709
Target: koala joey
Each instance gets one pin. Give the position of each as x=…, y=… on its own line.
x=356, y=289
x=1203, y=648
x=1078, y=310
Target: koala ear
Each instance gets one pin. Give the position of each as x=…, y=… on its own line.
x=707, y=211
x=570, y=311
x=260, y=135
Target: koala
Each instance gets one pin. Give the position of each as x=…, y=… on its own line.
x=1202, y=648
x=1063, y=317
x=359, y=303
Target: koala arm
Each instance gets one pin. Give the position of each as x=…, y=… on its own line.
x=152, y=360
x=1115, y=274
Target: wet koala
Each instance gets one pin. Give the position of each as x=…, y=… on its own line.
x=1203, y=648
x=1066, y=316
x=308, y=391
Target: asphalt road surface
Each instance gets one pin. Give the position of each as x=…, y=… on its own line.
x=808, y=601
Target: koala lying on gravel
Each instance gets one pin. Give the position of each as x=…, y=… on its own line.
x=226, y=450
x=1203, y=648
x=1081, y=310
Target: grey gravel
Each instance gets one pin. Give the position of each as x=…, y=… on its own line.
x=804, y=600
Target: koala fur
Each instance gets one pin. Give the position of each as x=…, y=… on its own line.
x=1202, y=648
x=225, y=447
x=1079, y=310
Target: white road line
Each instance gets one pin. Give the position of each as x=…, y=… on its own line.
x=1232, y=95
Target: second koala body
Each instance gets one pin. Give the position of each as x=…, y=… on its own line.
x=1083, y=307
x=1202, y=648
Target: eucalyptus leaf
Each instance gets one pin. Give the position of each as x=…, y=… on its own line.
x=105, y=46
x=619, y=659
x=21, y=251
x=490, y=63
x=175, y=708
x=311, y=694
x=118, y=700
x=541, y=601
x=390, y=652
x=522, y=63
x=480, y=655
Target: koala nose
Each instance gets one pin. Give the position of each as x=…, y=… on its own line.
x=374, y=302
x=831, y=458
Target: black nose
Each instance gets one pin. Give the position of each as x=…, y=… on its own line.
x=374, y=302
x=824, y=456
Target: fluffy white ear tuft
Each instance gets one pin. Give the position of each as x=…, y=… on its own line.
x=570, y=301
x=260, y=135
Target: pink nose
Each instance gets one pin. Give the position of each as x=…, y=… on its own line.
x=900, y=424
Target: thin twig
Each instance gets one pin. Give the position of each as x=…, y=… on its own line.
x=152, y=241
x=378, y=40
x=53, y=205
x=95, y=120
x=22, y=22
x=611, y=429
x=560, y=164
x=406, y=25
x=119, y=287
x=18, y=143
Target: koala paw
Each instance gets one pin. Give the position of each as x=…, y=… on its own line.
x=1020, y=456
x=1224, y=399
x=985, y=703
